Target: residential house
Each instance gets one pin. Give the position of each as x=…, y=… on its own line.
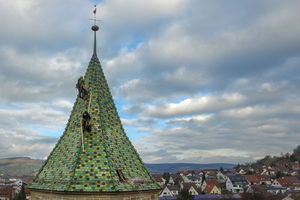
x=175, y=189
x=221, y=177
x=170, y=191
x=242, y=172
x=294, y=173
x=211, y=174
x=194, y=178
x=296, y=165
x=166, y=192
x=212, y=187
x=177, y=179
x=17, y=186
x=2, y=181
x=295, y=169
x=265, y=180
x=290, y=182
x=18, y=182
x=171, y=181
x=205, y=182
x=192, y=188
x=277, y=190
x=184, y=176
x=185, y=179
x=6, y=192
x=252, y=179
x=159, y=179
x=236, y=183
x=258, y=179
x=268, y=172
x=185, y=173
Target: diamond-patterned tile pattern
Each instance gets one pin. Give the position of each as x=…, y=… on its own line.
x=107, y=149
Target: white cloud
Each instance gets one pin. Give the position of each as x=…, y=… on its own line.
x=127, y=122
x=195, y=118
x=133, y=11
x=62, y=103
x=23, y=142
x=204, y=87
x=32, y=114
x=208, y=103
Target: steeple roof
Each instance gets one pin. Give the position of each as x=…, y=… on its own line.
x=102, y=160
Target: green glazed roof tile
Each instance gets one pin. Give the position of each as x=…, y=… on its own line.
x=107, y=148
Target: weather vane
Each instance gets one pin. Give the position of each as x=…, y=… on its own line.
x=95, y=15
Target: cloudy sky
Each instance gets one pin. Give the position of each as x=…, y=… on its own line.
x=194, y=80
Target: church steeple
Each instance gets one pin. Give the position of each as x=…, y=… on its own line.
x=94, y=156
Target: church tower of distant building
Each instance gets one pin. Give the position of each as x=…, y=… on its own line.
x=94, y=159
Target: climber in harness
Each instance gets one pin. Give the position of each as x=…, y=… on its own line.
x=82, y=91
x=86, y=118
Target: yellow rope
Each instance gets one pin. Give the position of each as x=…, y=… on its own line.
x=90, y=101
x=82, y=141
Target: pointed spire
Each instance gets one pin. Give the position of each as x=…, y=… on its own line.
x=108, y=164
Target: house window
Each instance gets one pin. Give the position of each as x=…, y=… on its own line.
x=121, y=175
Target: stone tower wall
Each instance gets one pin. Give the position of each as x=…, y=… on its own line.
x=37, y=195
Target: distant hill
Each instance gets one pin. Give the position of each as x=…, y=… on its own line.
x=19, y=166
x=24, y=166
x=174, y=167
x=284, y=161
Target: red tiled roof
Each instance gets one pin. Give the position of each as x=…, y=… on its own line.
x=210, y=184
x=264, y=178
x=6, y=191
x=157, y=177
x=252, y=178
x=289, y=181
x=189, y=185
x=255, y=179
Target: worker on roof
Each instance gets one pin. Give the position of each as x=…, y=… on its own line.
x=82, y=91
x=86, y=118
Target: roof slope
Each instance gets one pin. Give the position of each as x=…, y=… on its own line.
x=107, y=148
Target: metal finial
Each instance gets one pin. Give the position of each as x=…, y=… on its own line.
x=95, y=28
